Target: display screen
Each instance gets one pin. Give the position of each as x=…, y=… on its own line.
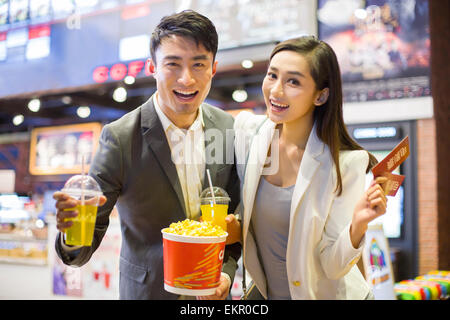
x=392, y=220
x=61, y=44
x=58, y=44
x=244, y=22
x=383, y=46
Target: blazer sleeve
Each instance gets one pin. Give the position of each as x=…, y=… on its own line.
x=337, y=254
x=107, y=169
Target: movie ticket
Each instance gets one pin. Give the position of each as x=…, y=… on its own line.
x=385, y=167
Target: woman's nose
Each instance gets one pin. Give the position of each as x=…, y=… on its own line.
x=277, y=89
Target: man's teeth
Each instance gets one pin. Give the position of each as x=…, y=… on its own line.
x=185, y=93
x=279, y=105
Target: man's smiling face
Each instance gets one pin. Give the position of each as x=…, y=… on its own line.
x=183, y=71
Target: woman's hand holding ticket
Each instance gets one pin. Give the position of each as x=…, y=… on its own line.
x=371, y=205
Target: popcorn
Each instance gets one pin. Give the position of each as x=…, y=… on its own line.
x=195, y=228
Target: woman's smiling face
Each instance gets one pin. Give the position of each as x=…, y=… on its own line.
x=289, y=90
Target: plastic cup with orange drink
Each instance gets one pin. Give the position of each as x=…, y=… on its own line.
x=215, y=208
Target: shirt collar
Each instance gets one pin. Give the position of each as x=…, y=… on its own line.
x=167, y=123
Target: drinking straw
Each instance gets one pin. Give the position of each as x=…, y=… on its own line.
x=82, y=180
x=83, y=208
x=211, y=186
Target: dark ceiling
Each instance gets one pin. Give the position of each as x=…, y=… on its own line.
x=59, y=108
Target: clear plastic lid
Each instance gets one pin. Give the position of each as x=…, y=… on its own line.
x=219, y=194
x=79, y=183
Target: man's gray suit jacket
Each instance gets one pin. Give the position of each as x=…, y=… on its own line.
x=134, y=169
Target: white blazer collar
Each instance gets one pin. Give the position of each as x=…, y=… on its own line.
x=308, y=166
x=255, y=163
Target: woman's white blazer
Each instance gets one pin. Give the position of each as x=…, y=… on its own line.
x=320, y=258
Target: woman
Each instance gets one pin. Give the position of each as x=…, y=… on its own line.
x=303, y=225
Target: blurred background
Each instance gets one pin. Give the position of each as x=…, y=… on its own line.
x=68, y=67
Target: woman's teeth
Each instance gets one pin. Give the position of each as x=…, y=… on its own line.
x=279, y=106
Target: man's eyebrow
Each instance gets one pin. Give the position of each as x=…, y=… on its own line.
x=174, y=57
x=201, y=57
x=296, y=73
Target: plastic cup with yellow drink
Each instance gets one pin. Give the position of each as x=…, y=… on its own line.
x=215, y=209
x=86, y=191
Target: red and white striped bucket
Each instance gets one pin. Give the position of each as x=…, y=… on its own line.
x=192, y=265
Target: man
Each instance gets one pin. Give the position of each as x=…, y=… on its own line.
x=151, y=163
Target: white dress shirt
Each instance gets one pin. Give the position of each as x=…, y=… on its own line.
x=188, y=154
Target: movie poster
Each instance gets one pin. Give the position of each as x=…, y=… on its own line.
x=383, y=46
x=377, y=264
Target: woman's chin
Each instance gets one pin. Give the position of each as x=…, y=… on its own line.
x=275, y=118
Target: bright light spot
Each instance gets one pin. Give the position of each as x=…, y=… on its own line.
x=247, y=64
x=39, y=223
x=34, y=105
x=83, y=111
x=240, y=95
x=361, y=14
x=120, y=94
x=129, y=80
x=18, y=119
x=66, y=100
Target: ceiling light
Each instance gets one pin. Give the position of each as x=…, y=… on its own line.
x=239, y=95
x=34, y=105
x=18, y=119
x=361, y=14
x=66, y=100
x=120, y=94
x=247, y=64
x=83, y=111
x=129, y=80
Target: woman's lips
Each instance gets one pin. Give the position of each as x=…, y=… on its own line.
x=278, y=107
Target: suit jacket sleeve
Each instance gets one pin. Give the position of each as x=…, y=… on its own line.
x=106, y=169
x=337, y=254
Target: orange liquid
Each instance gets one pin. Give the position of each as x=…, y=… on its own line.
x=215, y=214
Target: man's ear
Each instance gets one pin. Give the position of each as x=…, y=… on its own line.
x=214, y=68
x=151, y=66
x=322, y=97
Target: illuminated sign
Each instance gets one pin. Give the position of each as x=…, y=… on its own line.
x=119, y=71
x=373, y=133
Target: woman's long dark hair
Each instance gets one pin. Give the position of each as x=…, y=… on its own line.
x=325, y=71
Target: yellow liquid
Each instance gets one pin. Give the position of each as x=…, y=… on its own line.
x=82, y=230
x=215, y=214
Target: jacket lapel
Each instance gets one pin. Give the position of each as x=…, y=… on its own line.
x=156, y=139
x=308, y=168
x=255, y=164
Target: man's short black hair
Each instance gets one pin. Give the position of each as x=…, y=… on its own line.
x=187, y=23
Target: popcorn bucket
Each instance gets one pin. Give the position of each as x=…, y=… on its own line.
x=192, y=265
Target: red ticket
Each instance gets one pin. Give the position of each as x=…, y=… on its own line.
x=393, y=159
x=389, y=163
x=393, y=184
